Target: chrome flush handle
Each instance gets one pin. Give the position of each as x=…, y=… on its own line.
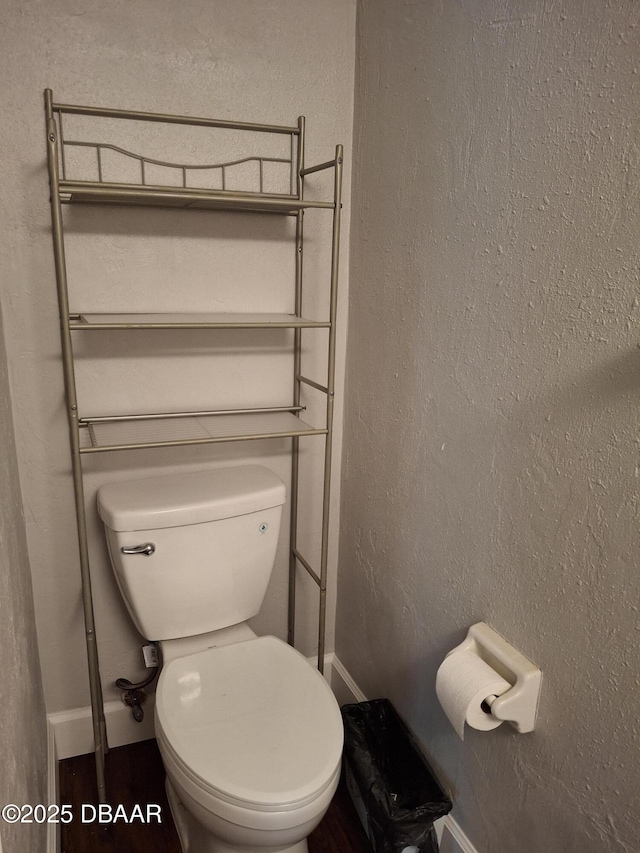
x=147, y=549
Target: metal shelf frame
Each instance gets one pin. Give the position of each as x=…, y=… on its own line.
x=109, y=433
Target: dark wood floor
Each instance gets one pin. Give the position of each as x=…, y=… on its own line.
x=135, y=776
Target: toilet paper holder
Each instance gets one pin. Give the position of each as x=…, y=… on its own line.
x=519, y=705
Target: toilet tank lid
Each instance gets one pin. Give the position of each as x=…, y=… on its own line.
x=175, y=500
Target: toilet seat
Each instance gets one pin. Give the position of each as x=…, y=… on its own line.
x=252, y=725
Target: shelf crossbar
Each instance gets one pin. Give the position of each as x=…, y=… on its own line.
x=312, y=383
x=167, y=118
x=193, y=441
x=320, y=167
x=307, y=566
x=96, y=192
x=103, y=419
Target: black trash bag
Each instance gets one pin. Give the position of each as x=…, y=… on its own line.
x=401, y=796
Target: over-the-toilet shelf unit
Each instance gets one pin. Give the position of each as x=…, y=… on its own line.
x=170, y=429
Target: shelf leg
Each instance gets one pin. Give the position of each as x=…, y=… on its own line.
x=95, y=686
x=331, y=379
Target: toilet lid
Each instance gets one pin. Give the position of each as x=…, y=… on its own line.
x=253, y=722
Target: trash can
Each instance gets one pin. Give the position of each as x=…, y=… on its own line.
x=394, y=790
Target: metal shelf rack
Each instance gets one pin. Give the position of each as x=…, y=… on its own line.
x=108, y=433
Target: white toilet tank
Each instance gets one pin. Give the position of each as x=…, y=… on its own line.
x=206, y=540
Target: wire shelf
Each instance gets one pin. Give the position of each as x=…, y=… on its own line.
x=173, y=431
x=193, y=321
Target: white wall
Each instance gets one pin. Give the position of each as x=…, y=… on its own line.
x=23, y=750
x=238, y=59
x=490, y=466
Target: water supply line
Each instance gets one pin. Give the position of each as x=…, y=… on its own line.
x=134, y=695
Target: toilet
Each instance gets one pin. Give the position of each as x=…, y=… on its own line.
x=249, y=732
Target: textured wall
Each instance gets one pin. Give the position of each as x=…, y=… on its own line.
x=490, y=467
x=22, y=718
x=237, y=59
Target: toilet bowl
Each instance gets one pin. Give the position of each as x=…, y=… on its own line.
x=251, y=739
x=249, y=732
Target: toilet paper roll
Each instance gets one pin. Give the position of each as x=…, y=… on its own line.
x=463, y=682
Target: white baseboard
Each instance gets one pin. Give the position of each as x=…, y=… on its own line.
x=73, y=730
x=450, y=837
x=454, y=840
x=344, y=687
